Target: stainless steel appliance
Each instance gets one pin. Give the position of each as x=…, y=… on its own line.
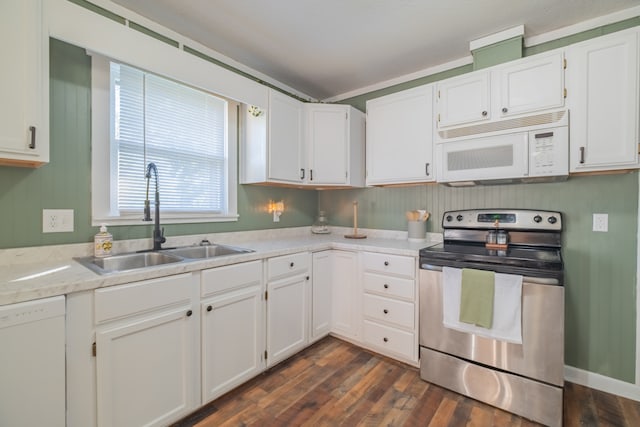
x=526, y=379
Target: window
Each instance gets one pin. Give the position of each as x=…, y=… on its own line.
x=188, y=133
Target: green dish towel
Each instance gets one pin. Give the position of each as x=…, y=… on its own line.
x=476, y=297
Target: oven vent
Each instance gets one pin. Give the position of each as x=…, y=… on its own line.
x=539, y=119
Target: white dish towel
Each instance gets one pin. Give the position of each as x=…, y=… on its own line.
x=507, y=306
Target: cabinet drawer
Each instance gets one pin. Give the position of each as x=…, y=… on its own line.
x=389, y=264
x=390, y=340
x=390, y=286
x=399, y=313
x=124, y=300
x=287, y=265
x=230, y=277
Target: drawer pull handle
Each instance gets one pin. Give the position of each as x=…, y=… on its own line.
x=385, y=339
x=291, y=265
x=189, y=313
x=209, y=308
x=385, y=311
x=32, y=144
x=385, y=286
x=386, y=263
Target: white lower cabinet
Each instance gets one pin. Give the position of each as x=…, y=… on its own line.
x=288, y=280
x=389, y=305
x=232, y=327
x=146, y=352
x=322, y=278
x=345, y=298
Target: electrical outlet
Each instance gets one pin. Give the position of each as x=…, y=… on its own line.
x=601, y=222
x=57, y=220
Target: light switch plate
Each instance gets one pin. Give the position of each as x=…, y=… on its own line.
x=57, y=220
x=601, y=222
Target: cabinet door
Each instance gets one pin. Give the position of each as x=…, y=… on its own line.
x=145, y=369
x=285, y=138
x=287, y=317
x=24, y=135
x=327, y=141
x=232, y=340
x=345, y=301
x=463, y=99
x=400, y=137
x=321, y=294
x=602, y=80
x=531, y=84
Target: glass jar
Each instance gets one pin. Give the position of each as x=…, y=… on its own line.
x=321, y=225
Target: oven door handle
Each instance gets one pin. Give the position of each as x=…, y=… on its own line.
x=528, y=279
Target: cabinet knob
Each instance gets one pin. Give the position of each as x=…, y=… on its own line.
x=291, y=265
x=385, y=339
x=581, y=155
x=505, y=109
x=426, y=169
x=307, y=277
x=301, y=173
x=189, y=313
x=484, y=113
x=385, y=311
x=209, y=308
x=385, y=286
x=386, y=263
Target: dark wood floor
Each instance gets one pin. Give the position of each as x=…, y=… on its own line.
x=334, y=383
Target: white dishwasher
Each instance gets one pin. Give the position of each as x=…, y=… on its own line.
x=32, y=363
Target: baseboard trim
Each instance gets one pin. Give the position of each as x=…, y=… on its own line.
x=602, y=383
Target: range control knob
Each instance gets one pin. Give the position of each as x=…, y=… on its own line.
x=459, y=217
x=537, y=218
x=449, y=218
x=552, y=220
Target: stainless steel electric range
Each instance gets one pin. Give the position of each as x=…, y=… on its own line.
x=525, y=377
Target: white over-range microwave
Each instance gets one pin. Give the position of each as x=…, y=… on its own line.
x=536, y=150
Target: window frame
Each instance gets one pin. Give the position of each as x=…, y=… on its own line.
x=103, y=189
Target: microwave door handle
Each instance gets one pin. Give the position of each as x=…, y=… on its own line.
x=544, y=135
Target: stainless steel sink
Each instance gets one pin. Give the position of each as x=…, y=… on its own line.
x=117, y=263
x=136, y=260
x=208, y=251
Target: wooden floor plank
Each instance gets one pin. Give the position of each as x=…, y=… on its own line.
x=334, y=383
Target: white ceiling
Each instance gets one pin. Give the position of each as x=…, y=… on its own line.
x=328, y=49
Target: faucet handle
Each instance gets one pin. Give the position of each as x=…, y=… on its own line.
x=162, y=238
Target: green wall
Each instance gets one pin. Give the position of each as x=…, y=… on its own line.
x=65, y=183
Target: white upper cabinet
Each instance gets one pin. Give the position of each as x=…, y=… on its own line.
x=463, y=99
x=285, y=138
x=24, y=130
x=518, y=87
x=532, y=84
x=602, y=79
x=335, y=143
x=302, y=144
x=272, y=147
x=400, y=137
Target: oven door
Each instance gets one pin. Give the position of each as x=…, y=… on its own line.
x=541, y=354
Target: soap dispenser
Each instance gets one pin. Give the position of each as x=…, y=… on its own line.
x=103, y=241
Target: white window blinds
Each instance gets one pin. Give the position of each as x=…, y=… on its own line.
x=180, y=129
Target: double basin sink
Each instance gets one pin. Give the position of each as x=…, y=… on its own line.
x=137, y=260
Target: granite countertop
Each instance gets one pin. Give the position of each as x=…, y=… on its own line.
x=33, y=273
